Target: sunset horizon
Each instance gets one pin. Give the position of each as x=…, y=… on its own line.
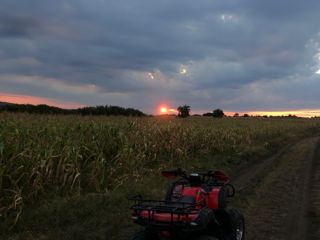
x=147, y=54
x=161, y=109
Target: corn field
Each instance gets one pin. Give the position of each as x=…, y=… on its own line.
x=43, y=156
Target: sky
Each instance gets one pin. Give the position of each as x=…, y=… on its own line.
x=236, y=55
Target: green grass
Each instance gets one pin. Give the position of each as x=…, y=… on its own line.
x=67, y=177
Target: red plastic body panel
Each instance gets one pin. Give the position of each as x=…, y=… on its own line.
x=222, y=176
x=212, y=199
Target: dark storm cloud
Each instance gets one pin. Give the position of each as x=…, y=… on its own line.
x=11, y=26
x=228, y=48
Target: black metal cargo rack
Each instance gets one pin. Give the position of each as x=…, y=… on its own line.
x=179, y=208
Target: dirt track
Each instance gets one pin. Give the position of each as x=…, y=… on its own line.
x=279, y=195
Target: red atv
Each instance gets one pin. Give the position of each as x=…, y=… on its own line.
x=194, y=208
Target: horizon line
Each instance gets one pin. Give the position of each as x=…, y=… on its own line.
x=33, y=100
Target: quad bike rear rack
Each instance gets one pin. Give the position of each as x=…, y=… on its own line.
x=180, y=213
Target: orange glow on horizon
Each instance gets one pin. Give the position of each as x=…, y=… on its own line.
x=308, y=113
x=25, y=99
x=299, y=113
x=162, y=109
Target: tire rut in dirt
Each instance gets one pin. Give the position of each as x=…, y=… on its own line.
x=277, y=208
x=246, y=177
x=314, y=211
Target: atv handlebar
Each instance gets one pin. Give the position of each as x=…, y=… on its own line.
x=209, y=179
x=217, y=175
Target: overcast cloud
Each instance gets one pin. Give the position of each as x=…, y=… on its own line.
x=238, y=55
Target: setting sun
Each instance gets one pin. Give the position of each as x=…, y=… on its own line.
x=163, y=110
x=166, y=110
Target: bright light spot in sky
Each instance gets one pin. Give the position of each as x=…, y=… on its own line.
x=150, y=75
x=318, y=72
x=163, y=110
x=226, y=17
x=183, y=70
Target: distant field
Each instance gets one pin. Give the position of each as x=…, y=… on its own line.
x=67, y=177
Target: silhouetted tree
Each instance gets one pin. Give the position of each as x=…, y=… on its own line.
x=208, y=114
x=236, y=115
x=218, y=113
x=184, y=111
x=245, y=115
x=292, y=116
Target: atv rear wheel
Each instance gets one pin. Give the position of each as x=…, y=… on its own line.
x=236, y=225
x=139, y=236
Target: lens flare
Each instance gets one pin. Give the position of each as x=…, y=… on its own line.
x=183, y=71
x=150, y=75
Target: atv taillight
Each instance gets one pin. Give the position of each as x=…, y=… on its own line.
x=164, y=234
x=135, y=216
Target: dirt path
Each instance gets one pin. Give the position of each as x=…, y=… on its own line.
x=275, y=194
x=280, y=195
x=246, y=177
x=314, y=210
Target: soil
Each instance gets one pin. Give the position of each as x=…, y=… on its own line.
x=314, y=211
x=279, y=196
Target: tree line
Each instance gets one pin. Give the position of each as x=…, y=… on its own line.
x=184, y=111
x=45, y=109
